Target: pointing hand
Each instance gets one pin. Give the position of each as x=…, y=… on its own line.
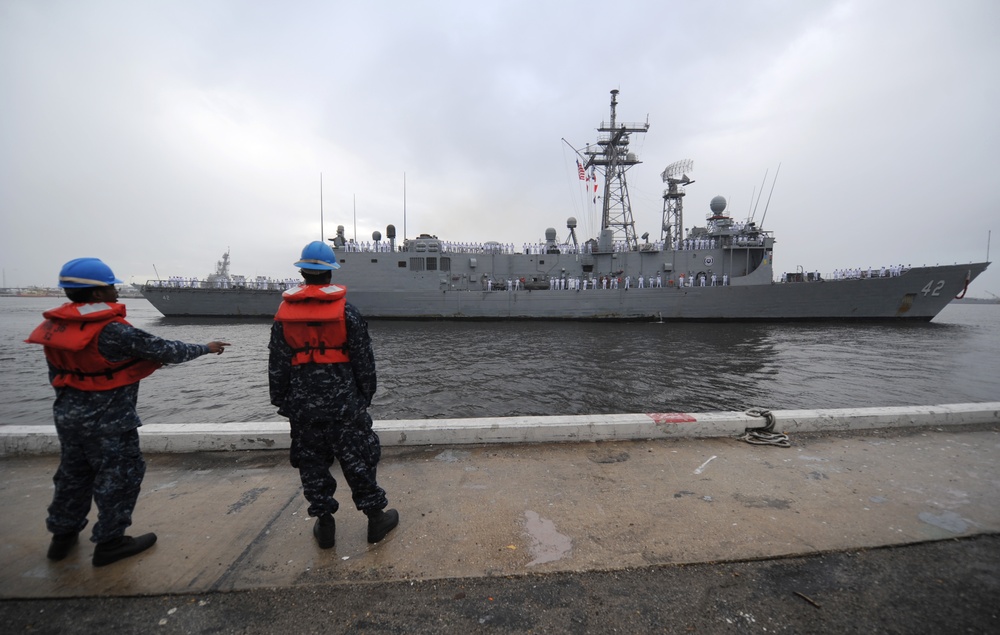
x=217, y=347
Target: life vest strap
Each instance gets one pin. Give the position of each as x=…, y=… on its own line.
x=108, y=373
x=321, y=348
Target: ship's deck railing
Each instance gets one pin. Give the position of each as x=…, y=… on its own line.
x=856, y=273
x=540, y=248
x=233, y=282
x=610, y=282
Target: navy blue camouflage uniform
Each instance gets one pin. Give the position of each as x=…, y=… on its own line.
x=98, y=433
x=327, y=408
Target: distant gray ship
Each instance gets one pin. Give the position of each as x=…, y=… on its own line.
x=722, y=271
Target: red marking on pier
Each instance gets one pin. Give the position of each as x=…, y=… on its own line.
x=671, y=417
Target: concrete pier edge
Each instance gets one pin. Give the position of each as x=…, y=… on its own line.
x=209, y=437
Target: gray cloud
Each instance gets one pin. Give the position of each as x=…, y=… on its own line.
x=161, y=134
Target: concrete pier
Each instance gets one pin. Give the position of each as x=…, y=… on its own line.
x=209, y=437
x=525, y=512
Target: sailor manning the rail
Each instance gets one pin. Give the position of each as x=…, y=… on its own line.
x=321, y=374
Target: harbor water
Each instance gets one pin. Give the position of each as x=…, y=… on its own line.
x=441, y=369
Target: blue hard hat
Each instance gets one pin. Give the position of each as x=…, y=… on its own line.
x=318, y=255
x=86, y=272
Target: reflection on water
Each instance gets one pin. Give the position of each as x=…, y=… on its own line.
x=486, y=369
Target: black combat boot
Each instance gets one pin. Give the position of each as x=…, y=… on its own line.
x=121, y=547
x=325, y=531
x=381, y=522
x=61, y=545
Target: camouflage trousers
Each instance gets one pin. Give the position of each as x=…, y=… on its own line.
x=107, y=470
x=314, y=450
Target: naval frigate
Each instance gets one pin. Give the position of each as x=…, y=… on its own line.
x=717, y=272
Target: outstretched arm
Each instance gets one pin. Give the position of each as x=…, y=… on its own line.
x=123, y=341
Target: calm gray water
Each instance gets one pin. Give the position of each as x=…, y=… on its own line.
x=492, y=369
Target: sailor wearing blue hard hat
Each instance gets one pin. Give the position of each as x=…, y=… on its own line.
x=96, y=360
x=80, y=273
x=318, y=256
x=321, y=375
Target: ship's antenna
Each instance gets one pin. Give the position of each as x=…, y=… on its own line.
x=587, y=219
x=321, y=233
x=158, y=273
x=404, y=207
x=570, y=146
x=764, y=180
x=672, y=227
x=766, y=205
x=355, y=218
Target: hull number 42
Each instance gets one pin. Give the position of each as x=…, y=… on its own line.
x=933, y=288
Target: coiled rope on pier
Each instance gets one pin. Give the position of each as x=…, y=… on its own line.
x=765, y=435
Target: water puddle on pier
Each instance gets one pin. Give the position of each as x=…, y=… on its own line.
x=547, y=544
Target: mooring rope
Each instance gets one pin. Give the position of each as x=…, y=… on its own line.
x=765, y=435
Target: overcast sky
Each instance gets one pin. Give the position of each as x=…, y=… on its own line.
x=160, y=134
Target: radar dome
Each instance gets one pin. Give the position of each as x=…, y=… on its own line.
x=376, y=235
x=550, y=234
x=571, y=222
x=718, y=204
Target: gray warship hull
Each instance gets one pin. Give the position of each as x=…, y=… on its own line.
x=720, y=271
x=382, y=289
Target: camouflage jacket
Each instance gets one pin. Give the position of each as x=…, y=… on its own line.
x=80, y=414
x=323, y=393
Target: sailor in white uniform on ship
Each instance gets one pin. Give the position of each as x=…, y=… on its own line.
x=641, y=281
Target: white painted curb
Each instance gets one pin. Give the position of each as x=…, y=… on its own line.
x=207, y=437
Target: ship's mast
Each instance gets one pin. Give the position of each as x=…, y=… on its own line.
x=612, y=154
x=673, y=200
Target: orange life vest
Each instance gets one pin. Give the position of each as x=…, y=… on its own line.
x=69, y=335
x=313, y=319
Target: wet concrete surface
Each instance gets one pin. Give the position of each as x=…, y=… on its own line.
x=842, y=532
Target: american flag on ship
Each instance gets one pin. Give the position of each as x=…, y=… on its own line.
x=579, y=168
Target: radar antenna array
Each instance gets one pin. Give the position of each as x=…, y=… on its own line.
x=673, y=200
